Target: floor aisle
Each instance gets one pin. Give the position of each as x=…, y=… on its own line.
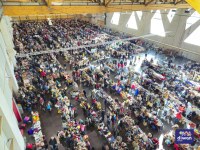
x=96, y=140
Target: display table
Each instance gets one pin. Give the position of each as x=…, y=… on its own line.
x=27, y=78
x=37, y=131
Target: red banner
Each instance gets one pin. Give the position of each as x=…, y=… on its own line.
x=16, y=111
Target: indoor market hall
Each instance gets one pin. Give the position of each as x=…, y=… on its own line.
x=99, y=75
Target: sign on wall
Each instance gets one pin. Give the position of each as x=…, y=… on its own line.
x=184, y=136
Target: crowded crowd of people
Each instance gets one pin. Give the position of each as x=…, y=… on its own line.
x=127, y=95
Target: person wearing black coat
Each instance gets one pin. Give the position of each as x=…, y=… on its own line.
x=53, y=143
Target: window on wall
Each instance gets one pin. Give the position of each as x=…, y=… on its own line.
x=157, y=27
x=139, y=14
x=115, y=18
x=171, y=15
x=192, y=19
x=194, y=37
x=132, y=22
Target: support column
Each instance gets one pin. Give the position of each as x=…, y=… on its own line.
x=6, y=32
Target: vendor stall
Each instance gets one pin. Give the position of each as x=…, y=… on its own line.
x=27, y=78
x=36, y=130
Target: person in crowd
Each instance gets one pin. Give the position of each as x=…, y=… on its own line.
x=105, y=147
x=53, y=143
x=49, y=106
x=85, y=93
x=105, y=104
x=102, y=115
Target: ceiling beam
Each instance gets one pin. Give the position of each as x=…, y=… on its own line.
x=15, y=11
x=147, y=3
x=179, y=2
x=108, y=3
x=174, y=1
x=48, y=3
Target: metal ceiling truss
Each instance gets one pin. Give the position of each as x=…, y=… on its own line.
x=177, y=2
x=149, y=2
x=107, y=3
x=68, y=7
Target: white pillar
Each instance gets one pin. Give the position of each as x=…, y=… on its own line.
x=9, y=52
x=7, y=31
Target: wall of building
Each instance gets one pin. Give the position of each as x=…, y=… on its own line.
x=175, y=36
x=10, y=136
x=98, y=19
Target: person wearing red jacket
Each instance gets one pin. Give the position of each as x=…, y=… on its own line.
x=119, y=65
x=179, y=115
x=176, y=147
x=43, y=73
x=155, y=140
